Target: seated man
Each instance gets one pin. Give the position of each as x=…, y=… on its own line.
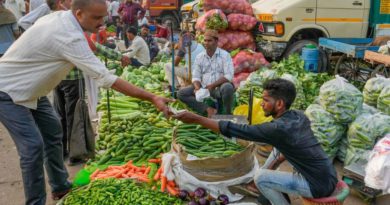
x=292, y=138
x=152, y=44
x=162, y=32
x=138, y=51
x=182, y=72
x=213, y=70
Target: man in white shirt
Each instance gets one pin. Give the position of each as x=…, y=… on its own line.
x=29, y=19
x=213, y=70
x=138, y=51
x=35, y=4
x=114, y=6
x=182, y=72
x=30, y=69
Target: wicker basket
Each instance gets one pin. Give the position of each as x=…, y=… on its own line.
x=337, y=198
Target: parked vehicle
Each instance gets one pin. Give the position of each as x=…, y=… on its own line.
x=167, y=10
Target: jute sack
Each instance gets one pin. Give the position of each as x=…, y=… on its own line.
x=213, y=169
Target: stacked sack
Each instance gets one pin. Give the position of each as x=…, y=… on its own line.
x=233, y=19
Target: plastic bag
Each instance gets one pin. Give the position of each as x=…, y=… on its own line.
x=201, y=94
x=241, y=22
x=300, y=101
x=214, y=19
x=343, y=146
x=341, y=99
x=369, y=109
x=384, y=100
x=325, y=128
x=378, y=166
x=248, y=61
x=373, y=88
x=230, y=40
x=363, y=133
x=258, y=116
x=229, y=6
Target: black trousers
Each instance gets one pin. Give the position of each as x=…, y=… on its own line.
x=66, y=95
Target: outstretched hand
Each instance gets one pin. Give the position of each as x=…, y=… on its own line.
x=161, y=105
x=187, y=117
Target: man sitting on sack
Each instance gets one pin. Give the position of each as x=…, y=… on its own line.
x=292, y=138
x=186, y=42
x=212, y=75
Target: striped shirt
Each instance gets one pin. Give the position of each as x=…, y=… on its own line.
x=38, y=61
x=208, y=69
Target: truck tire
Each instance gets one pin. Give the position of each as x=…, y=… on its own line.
x=296, y=47
x=171, y=18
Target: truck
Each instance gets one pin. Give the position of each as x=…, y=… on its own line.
x=167, y=10
x=286, y=26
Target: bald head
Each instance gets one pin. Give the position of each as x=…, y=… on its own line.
x=82, y=4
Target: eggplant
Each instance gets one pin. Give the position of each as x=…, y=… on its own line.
x=223, y=199
x=193, y=203
x=184, y=195
x=204, y=201
x=200, y=192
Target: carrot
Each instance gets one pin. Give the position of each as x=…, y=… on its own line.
x=158, y=174
x=158, y=161
x=147, y=170
x=171, y=184
x=143, y=179
x=163, y=183
x=172, y=191
x=93, y=175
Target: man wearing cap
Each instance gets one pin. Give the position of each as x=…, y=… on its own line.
x=152, y=44
x=213, y=70
x=138, y=52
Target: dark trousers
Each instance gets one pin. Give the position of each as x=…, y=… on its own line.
x=37, y=135
x=125, y=27
x=66, y=95
x=224, y=94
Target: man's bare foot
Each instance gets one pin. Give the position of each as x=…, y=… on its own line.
x=211, y=111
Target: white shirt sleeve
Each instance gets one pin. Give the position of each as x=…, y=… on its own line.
x=28, y=20
x=133, y=49
x=79, y=53
x=196, y=69
x=229, y=68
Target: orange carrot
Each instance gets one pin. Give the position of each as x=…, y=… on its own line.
x=171, y=184
x=158, y=161
x=172, y=191
x=158, y=174
x=147, y=170
x=93, y=175
x=163, y=183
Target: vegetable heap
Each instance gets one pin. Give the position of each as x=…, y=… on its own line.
x=343, y=100
x=118, y=191
x=214, y=19
x=202, y=142
x=373, y=88
x=325, y=129
x=363, y=133
x=384, y=100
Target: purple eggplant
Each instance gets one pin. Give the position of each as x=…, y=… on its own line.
x=184, y=195
x=223, y=199
x=200, y=192
x=203, y=201
x=193, y=203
